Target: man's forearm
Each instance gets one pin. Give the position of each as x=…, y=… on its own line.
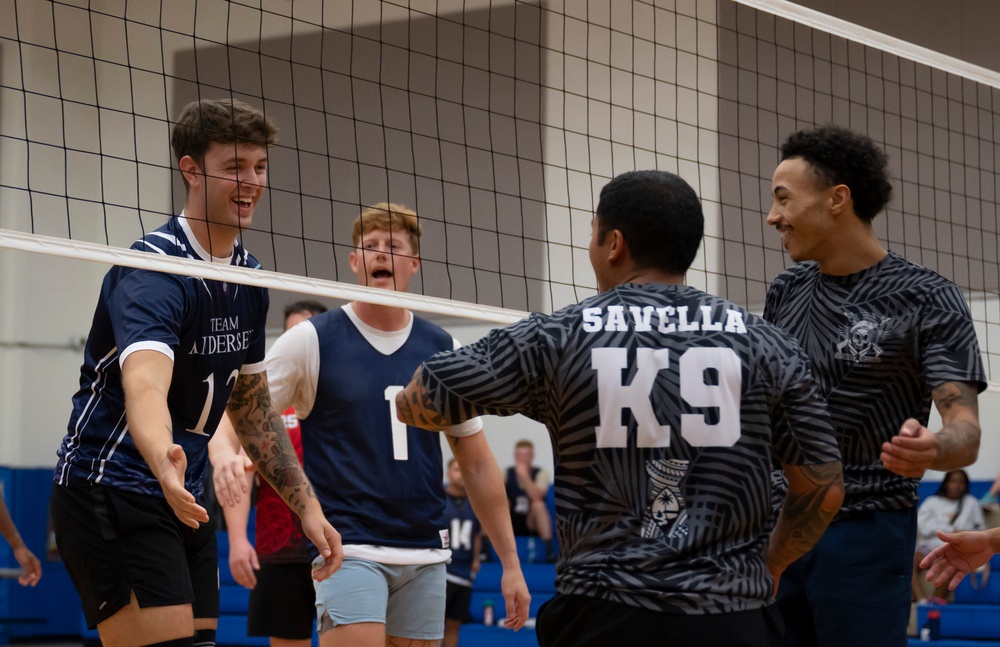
x=484, y=486
x=814, y=497
x=265, y=440
x=958, y=445
x=237, y=519
x=146, y=379
x=958, y=440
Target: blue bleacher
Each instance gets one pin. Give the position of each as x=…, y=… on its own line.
x=540, y=578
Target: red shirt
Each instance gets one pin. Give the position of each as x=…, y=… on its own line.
x=279, y=531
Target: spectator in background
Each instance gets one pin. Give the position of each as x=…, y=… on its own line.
x=989, y=500
x=527, y=486
x=466, y=542
x=32, y=567
x=950, y=509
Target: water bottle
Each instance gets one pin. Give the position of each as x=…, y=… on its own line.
x=488, y=613
x=932, y=627
x=532, y=551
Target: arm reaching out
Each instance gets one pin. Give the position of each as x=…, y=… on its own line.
x=146, y=376
x=263, y=436
x=961, y=553
x=815, y=493
x=32, y=567
x=231, y=467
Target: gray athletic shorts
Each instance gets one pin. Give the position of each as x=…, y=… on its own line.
x=408, y=600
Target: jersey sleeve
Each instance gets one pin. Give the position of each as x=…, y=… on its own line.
x=949, y=351
x=470, y=426
x=800, y=423
x=146, y=309
x=496, y=375
x=293, y=369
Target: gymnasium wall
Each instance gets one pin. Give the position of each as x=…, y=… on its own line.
x=46, y=303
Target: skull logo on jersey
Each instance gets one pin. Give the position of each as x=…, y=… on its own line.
x=861, y=337
x=665, y=513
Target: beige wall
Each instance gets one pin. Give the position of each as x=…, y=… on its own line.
x=965, y=29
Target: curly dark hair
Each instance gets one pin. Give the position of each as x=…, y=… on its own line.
x=839, y=156
x=659, y=215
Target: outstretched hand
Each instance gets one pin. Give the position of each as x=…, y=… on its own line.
x=230, y=478
x=173, y=464
x=961, y=553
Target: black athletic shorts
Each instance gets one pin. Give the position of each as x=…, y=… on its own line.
x=457, y=602
x=283, y=604
x=114, y=542
x=581, y=621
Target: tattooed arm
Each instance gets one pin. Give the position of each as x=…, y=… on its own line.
x=916, y=448
x=414, y=407
x=262, y=433
x=815, y=493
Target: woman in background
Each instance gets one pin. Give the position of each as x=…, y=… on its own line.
x=950, y=509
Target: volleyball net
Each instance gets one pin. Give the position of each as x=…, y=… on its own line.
x=498, y=122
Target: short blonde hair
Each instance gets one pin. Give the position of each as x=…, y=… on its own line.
x=387, y=216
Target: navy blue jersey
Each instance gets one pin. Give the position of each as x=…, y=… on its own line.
x=463, y=526
x=880, y=341
x=211, y=329
x=379, y=481
x=666, y=407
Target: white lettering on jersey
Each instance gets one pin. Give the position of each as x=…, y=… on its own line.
x=592, y=319
x=224, y=343
x=668, y=320
x=723, y=394
x=224, y=324
x=461, y=534
x=199, y=427
x=613, y=396
x=400, y=446
x=616, y=319
x=734, y=322
x=642, y=317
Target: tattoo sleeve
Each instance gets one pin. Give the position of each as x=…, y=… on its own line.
x=815, y=493
x=958, y=441
x=263, y=436
x=414, y=406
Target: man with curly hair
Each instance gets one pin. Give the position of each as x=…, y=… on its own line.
x=886, y=338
